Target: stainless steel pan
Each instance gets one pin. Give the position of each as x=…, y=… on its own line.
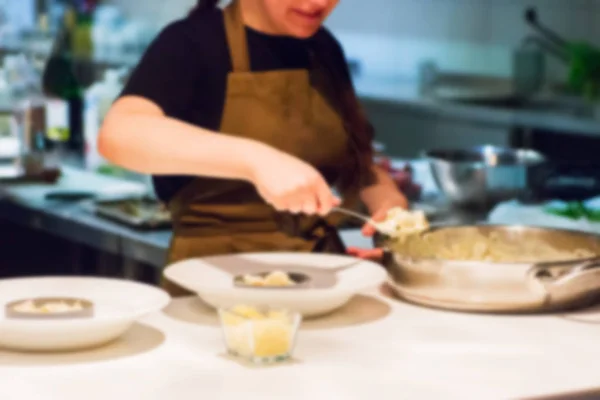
x=418, y=276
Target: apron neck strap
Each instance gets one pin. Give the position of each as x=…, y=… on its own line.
x=236, y=37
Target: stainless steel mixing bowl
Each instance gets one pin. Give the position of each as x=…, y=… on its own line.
x=481, y=176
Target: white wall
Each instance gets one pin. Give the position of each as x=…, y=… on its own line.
x=468, y=35
x=159, y=12
x=392, y=36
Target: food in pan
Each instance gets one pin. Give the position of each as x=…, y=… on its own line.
x=473, y=244
x=400, y=222
x=251, y=332
x=275, y=278
x=412, y=237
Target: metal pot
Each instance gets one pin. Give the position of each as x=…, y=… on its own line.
x=481, y=176
x=479, y=286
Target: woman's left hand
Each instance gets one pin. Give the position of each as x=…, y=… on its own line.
x=369, y=230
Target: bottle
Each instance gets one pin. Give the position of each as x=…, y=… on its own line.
x=98, y=100
x=29, y=110
x=60, y=83
x=81, y=39
x=9, y=139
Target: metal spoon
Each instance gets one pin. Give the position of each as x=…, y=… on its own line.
x=381, y=229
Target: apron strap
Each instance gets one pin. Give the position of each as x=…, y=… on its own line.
x=236, y=37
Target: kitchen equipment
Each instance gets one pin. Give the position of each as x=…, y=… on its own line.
x=140, y=212
x=583, y=58
x=497, y=287
x=69, y=195
x=22, y=146
x=566, y=180
x=532, y=18
x=428, y=74
x=212, y=279
x=481, y=176
x=118, y=304
x=560, y=53
x=529, y=68
x=21, y=142
x=364, y=218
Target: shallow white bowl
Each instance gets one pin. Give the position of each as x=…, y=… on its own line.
x=211, y=278
x=117, y=305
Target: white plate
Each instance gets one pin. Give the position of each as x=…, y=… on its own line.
x=215, y=285
x=117, y=305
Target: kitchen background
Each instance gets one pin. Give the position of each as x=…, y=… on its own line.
x=391, y=38
x=432, y=74
x=393, y=45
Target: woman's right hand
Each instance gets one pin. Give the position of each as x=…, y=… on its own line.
x=290, y=184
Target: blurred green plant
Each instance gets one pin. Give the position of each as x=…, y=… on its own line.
x=584, y=71
x=574, y=210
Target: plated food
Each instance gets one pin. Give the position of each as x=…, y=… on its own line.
x=259, y=334
x=35, y=313
x=274, y=278
x=52, y=307
x=211, y=278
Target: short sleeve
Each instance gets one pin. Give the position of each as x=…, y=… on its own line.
x=167, y=73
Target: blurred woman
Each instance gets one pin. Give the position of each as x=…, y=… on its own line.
x=246, y=117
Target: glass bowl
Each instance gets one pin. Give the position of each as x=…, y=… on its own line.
x=260, y=335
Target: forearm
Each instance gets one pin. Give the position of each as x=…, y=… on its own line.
x=383, y=192
x=156, y=144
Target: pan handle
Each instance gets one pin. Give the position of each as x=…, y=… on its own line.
x=579, y=282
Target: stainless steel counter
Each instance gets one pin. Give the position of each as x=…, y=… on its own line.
x=26, y=205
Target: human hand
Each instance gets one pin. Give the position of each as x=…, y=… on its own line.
x=366, y=254
x=290, y=184
x=369, y=230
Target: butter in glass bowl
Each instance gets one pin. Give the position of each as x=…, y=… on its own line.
x=260, y=335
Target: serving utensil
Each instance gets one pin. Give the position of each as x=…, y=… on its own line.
x=379, y=227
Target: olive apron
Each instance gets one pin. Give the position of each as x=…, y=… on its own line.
x=282, y=108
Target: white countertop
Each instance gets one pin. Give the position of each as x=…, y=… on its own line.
x=376, y=347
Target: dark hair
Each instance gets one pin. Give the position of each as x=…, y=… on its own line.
x=357, y=171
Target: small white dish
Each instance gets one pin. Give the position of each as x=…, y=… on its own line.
x=118, y=304
x=212, y=278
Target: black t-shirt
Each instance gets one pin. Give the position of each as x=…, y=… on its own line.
x=184, y=71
